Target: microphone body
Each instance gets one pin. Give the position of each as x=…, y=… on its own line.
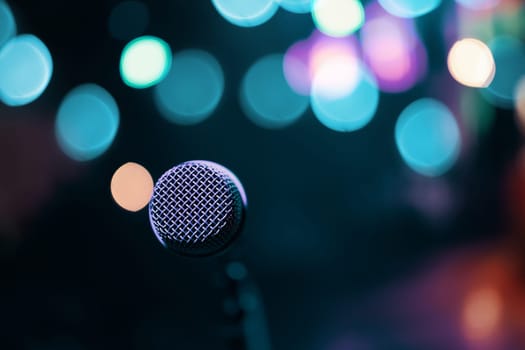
x=197, y=208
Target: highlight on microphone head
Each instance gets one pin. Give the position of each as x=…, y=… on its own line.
x=197, y=208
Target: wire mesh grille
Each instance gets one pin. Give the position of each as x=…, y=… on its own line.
x=195, y=208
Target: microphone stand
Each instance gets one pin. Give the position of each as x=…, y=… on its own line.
x=244, y=308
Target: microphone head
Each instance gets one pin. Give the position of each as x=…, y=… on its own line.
x=197, y=208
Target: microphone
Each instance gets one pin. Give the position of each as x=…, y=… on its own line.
x=197, y=208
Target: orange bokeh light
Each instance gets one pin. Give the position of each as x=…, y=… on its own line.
x=132, y=186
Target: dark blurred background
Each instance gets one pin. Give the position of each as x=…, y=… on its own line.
x=350, y=248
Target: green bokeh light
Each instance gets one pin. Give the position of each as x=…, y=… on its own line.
x=145, y=61
x=338, y=18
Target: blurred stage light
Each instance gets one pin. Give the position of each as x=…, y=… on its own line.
x=87, y=122
x=482, y=314
x=304, y=58
x=428, y=137
x=338, y=18
x=433, y=197
x=519, y=104
x=392, y=50
x=334, y=65
x=236, y=271
x=246, y=13
x=266, y=97
x=132, y=186
x=296, y=6
x=479, y=4
x=128, y=20
x=509, y=55
x=145, y=61
x=349, y=110
x=409, y=8
x=470, y=63
x=336, y=77
x=7, y=23
x=26, y=67
x=296, y=67
x=192, y=89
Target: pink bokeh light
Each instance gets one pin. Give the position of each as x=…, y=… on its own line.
x=392, y=50
x=304, y=59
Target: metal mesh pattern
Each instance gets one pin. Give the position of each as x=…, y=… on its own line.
x=196, y=209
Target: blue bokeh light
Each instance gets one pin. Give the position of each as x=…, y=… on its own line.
x=509, y=56
x=296, y=6
x=353, y=109
x=478, y=4
x=266, y=97
x=428, y=137
x=26, y=67
x=7, y=23
x=128, y=20
x=192, y=89
x=246, y=13
x=87, y=122
x=409, y=8
x=236, y=271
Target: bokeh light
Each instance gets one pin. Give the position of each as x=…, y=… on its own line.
x=482, y=313
x=350, y=110
x=409, y=8
x=236, y=270
x=334, y=66
x=296, y=6
x=304, y=58
x=26, y=67
x=87, y=122
x=479, y=4
x=266, y=97
x=145, y=61
x=336, y=78
x=519, y=104
x=246, y=13
x=7, y=23
x=509, y=55
x=435, y=198
x=392, y=50
x=132, y=186
x=296, y=67
x=470, y=63
x=192, y=89
x=128, y=20
x=338, y=18
x=427, y=137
